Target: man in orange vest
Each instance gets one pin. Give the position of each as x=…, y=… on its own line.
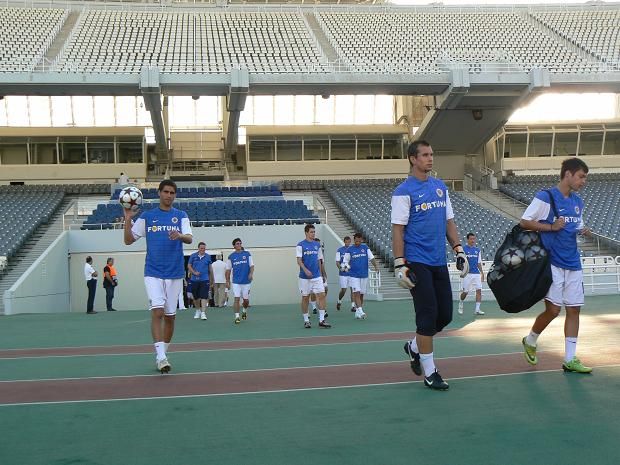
x=109, y=283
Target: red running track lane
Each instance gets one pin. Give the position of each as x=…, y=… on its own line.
x=200, y=384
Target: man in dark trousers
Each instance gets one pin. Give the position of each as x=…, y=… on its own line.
x=91, y=282
x=110, y=281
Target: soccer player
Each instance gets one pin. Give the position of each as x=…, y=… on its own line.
x=422, y=219
x=241, y=266
x=475, y=277
x=559, y=237
x=309, y=256
x=166, y=230
x=358, y=257
x=201, y=271
x=343, y=275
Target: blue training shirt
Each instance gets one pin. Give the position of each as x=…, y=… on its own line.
x=240, y=263
x=340, y=253
x=423, y=207
x=200, y=264
x=473, y=257
x=164, y=257
x=562, y=244
x=311, y=254
x=359, y=256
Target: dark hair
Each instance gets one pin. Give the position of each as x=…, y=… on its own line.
x=347, y=238
x=201, y=243
x=470, y=234
x=235, y=240
x=356, y=235
x=109, y=260
x=308, y=227
x=316, y=239
x=412, y=150
x=167, y=182
x=89, y=259
x=573, y=165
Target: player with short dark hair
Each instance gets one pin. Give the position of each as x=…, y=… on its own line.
x=241, y=266
x=422, y=219
x=559, y=237
x=166, y=229
x=476, y=275
x=309, y=256
x=343, y=274
x=201, y=275
x=358, y=256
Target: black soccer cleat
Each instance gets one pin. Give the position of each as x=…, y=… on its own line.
x=324, y=324
x=414, y=359
x=435, y=381
x=307, y=324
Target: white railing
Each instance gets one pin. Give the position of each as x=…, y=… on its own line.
x=374, y=282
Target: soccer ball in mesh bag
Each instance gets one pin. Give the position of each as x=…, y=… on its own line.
x=512, y=258
x=527, y=238
x=495, y=275
x=130, y=198
x=345, y=267
x=534, y=252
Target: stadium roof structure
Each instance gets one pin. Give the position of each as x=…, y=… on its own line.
x=479, y=63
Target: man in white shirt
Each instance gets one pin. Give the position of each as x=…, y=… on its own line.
x=91, y=282
x=123, y=179
x=219, y=281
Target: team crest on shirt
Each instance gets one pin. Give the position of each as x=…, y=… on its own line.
x=175, y=220
x=577, y=209
x=439, y=192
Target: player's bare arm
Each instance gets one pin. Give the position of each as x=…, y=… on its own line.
x=532, y=225
x=127, y=234
x=251, y=273
x=398, y=240
x=177, y=236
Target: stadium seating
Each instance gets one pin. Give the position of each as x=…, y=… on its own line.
x=596, y=31
x=22, y=213
x=245, y=212
x=84, y=189
x=124, y=41
x=600, y=195
x=213, y=192
x=418, y=41
x=368, y=209
x=26, y=34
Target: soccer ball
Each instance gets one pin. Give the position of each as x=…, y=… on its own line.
x=345, y=267
x=535, y=252
x=494, y=275
x=130, y=198
x=527, y=238
x=512, y=258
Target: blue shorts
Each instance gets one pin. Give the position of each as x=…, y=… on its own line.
x=200, y=289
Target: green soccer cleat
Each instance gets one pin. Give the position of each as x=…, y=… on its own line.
x=576, y=366
x=529, y=353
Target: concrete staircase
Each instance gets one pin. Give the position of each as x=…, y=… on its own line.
x=342, y=227
x=59, y=41
x=33, y=249
x=328, y=50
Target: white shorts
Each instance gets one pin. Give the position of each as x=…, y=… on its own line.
x=358, y=284
x=310, y=286
x=240, y=290
x=344, y=282
x=566, y=288
x=163, y=293
x=472, y=282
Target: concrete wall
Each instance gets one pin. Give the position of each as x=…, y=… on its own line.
x=45, y=287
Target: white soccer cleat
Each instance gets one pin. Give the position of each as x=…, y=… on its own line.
x=460, y=309
x=478, y=312
x=360, y=315
x=163, y=366
x=197, y=315
x=203, y=316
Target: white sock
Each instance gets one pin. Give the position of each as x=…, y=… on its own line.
x=359, y=309
x=321, y=315
x=306, y=317
x=570, y=344
x=352, y=304
x=236, y=314
x=166, y=345
x=160, y=351
x=428, y=364
x=477, y=306
x=532, y=338
x=413, y=344
x=313, y=305
x=339, y=301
